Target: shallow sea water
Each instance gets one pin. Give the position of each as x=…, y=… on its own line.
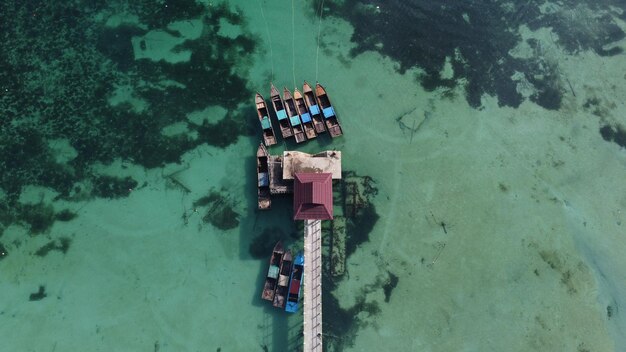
x=494, y=135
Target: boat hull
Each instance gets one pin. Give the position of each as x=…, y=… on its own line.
x=305, y=115
x=293, y=116
x=269, y=137
x=311, y=104
x=271, y=280
x=281, y=114
x=295, y=284
x=263, y=178
x=328, y=111
x=280, y=295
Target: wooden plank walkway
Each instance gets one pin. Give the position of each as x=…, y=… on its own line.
x=312, y=285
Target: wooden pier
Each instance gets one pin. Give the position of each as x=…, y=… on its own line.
x=312, y=286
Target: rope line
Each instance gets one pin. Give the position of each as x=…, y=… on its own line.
x=269, y=38
x=319, y=35
x=293, y=42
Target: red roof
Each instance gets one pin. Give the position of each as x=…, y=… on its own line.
x=313, y=196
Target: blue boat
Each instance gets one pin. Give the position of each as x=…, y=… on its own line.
x=330, y=117
x=294, y=117
x=314, y=109
x=295, y=284
x=281, y=114
x=305, y=116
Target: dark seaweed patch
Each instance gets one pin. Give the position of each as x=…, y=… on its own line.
x=425, y=34
x=390, y=285
x=158, y=14
x=220, y=134
x=62, y=245
x=115, y=43
x=610, y=311
x=39, y=295
x=549, y=98
x=224, y=218
x=113, y=187
x=359, y=228
x=615, y=134
x=59, y=67
x=65, y=215
x=219, y=210
x=38, y=217
x=342, y=329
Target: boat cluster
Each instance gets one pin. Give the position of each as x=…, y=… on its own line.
x=284, y=279
x=302, y=115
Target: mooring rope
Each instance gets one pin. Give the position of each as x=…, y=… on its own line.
x=319, y=35
x=293, y=42
x=269, y=39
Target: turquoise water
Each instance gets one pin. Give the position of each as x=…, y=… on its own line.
x=491, y=135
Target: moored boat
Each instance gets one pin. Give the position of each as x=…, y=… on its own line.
x=305, y=116
x=283, y=281
x=294, y=118
x=269, y=138
x=263, y=178
x=295, y=284
x=332, y=124
x=281, y=114
x=314, y=109
x=273, y=272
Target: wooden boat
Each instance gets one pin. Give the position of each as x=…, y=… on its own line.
x=263, y=178
x=269, y=138
x=294, y=118
x=281, y=114
x=314, y=109
x=280, y=296
x=305, y=116
x=332, y=124
x=272, y=273
x=295, y=284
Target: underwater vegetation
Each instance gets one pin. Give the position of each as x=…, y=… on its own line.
x=342, y=329
x=616, y=134
x=219, y=210
x=61, y=63
x=476, y=37
x=39, y=295
x=356, y=196
x=62, y=245
x=361, y=216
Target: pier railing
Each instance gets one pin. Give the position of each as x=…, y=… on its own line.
x=312, y=285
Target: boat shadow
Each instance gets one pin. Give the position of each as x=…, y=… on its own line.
x=258, y=233
x=322, y=142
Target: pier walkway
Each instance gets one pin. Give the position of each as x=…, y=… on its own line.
x=312, y=285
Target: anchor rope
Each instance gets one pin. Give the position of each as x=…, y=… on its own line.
x=319, y=35
x=293, y=42
x=269, y=38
